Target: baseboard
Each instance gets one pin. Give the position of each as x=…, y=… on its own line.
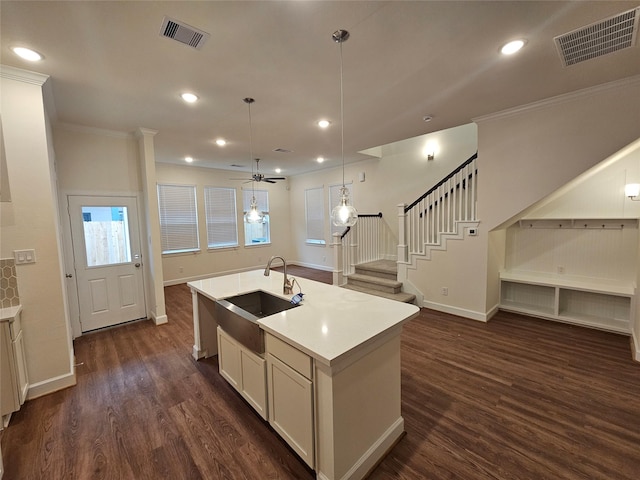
x=460, y=312
x=159, y=319
x=636, y=344
x=311, y=265
x=51, y=385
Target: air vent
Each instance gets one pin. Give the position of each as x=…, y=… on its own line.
x=282, y=150
x=183, y=33
x=600, y=38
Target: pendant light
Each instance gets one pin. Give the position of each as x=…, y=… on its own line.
x=253, y=215
x=344, y=214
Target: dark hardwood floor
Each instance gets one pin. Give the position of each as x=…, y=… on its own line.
x=516, y=398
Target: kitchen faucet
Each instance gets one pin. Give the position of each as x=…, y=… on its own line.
x=287, y=288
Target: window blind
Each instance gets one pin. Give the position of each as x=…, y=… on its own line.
x=222, y=218
x=314, y=208
x=262, y=199
x=178, y=218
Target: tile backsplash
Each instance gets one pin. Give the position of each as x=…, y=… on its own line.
x=8, y=283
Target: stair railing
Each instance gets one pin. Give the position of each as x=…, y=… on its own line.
x=438, y=211
x=368, y=240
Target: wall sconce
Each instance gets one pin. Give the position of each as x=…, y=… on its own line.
x=632, y=190
x=431, y=155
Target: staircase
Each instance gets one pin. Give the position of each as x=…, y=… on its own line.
x=378, y=278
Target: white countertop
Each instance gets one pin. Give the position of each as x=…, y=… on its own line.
x=330, y=321
x=8, y=314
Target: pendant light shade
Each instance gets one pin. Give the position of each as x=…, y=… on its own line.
x=344, y=214
x=254, y=215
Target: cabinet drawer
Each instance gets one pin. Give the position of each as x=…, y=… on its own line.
x=299, y=361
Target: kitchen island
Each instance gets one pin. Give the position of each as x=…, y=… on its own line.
x=331, y=368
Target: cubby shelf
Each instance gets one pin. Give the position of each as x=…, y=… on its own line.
x=598, y=303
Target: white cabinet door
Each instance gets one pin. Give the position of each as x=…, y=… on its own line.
x=254, y=381
x=229, y=359
x=244, y=370
x=21, y=368
x=291, y=407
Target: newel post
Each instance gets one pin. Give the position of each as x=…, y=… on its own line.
x=402, y=241
x=338, y=268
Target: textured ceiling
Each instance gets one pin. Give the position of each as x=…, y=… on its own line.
x=111, y=69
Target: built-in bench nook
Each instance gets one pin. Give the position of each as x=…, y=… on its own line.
x=572, y=270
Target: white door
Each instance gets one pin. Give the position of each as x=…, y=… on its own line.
x=107, y=260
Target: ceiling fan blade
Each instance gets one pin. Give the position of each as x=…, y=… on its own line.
x=268, y=180
x=275, y=178
x=248, y=179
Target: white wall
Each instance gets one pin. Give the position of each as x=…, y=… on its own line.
x=179, y=268
x=537, y=149
x=524, y=155
x=96, y=162
x=400, y=175
x=31, y=221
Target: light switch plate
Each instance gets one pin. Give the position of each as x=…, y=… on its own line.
x=24, y=256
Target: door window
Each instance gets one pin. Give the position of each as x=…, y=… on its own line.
x=106, y=235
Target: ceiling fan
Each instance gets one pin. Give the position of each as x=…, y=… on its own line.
x=259, y=177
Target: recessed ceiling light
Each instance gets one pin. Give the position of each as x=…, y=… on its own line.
x=278, y=170
x=427, y=118
x=324, y=123
x=221, y=142
x=188, y=159
x=189, y=97
x=512, y=47
x=320, y=159
x=27, y=54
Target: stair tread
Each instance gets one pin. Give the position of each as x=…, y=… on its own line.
x=376, y=280
x=400, y=297
x=380, y=266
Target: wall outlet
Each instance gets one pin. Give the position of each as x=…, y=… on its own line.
x=444, y=291
x=473, y=232
x=180, y=269
x=324, y=258
x=24, y=256
x=560, y=269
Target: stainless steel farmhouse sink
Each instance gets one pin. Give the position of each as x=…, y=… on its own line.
x=237, y=316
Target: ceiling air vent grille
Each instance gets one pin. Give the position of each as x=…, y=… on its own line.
x=183, y=33
x=600, y=38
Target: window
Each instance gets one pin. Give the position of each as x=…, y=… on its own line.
x=106, y=235
x=314, y=208
x=222, y=218
x=256, y=233
x=178, y=218
x=334, y=200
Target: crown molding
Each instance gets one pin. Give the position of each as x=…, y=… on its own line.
x=20, y=75
x=560, y=99
x=144, y=132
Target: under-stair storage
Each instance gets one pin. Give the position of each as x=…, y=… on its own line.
x=574, y=271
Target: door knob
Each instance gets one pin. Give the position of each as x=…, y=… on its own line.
x=137, y=265
x=68, y=275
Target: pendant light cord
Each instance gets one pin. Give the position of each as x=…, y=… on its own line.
x=342, y=114
x=253, y=182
